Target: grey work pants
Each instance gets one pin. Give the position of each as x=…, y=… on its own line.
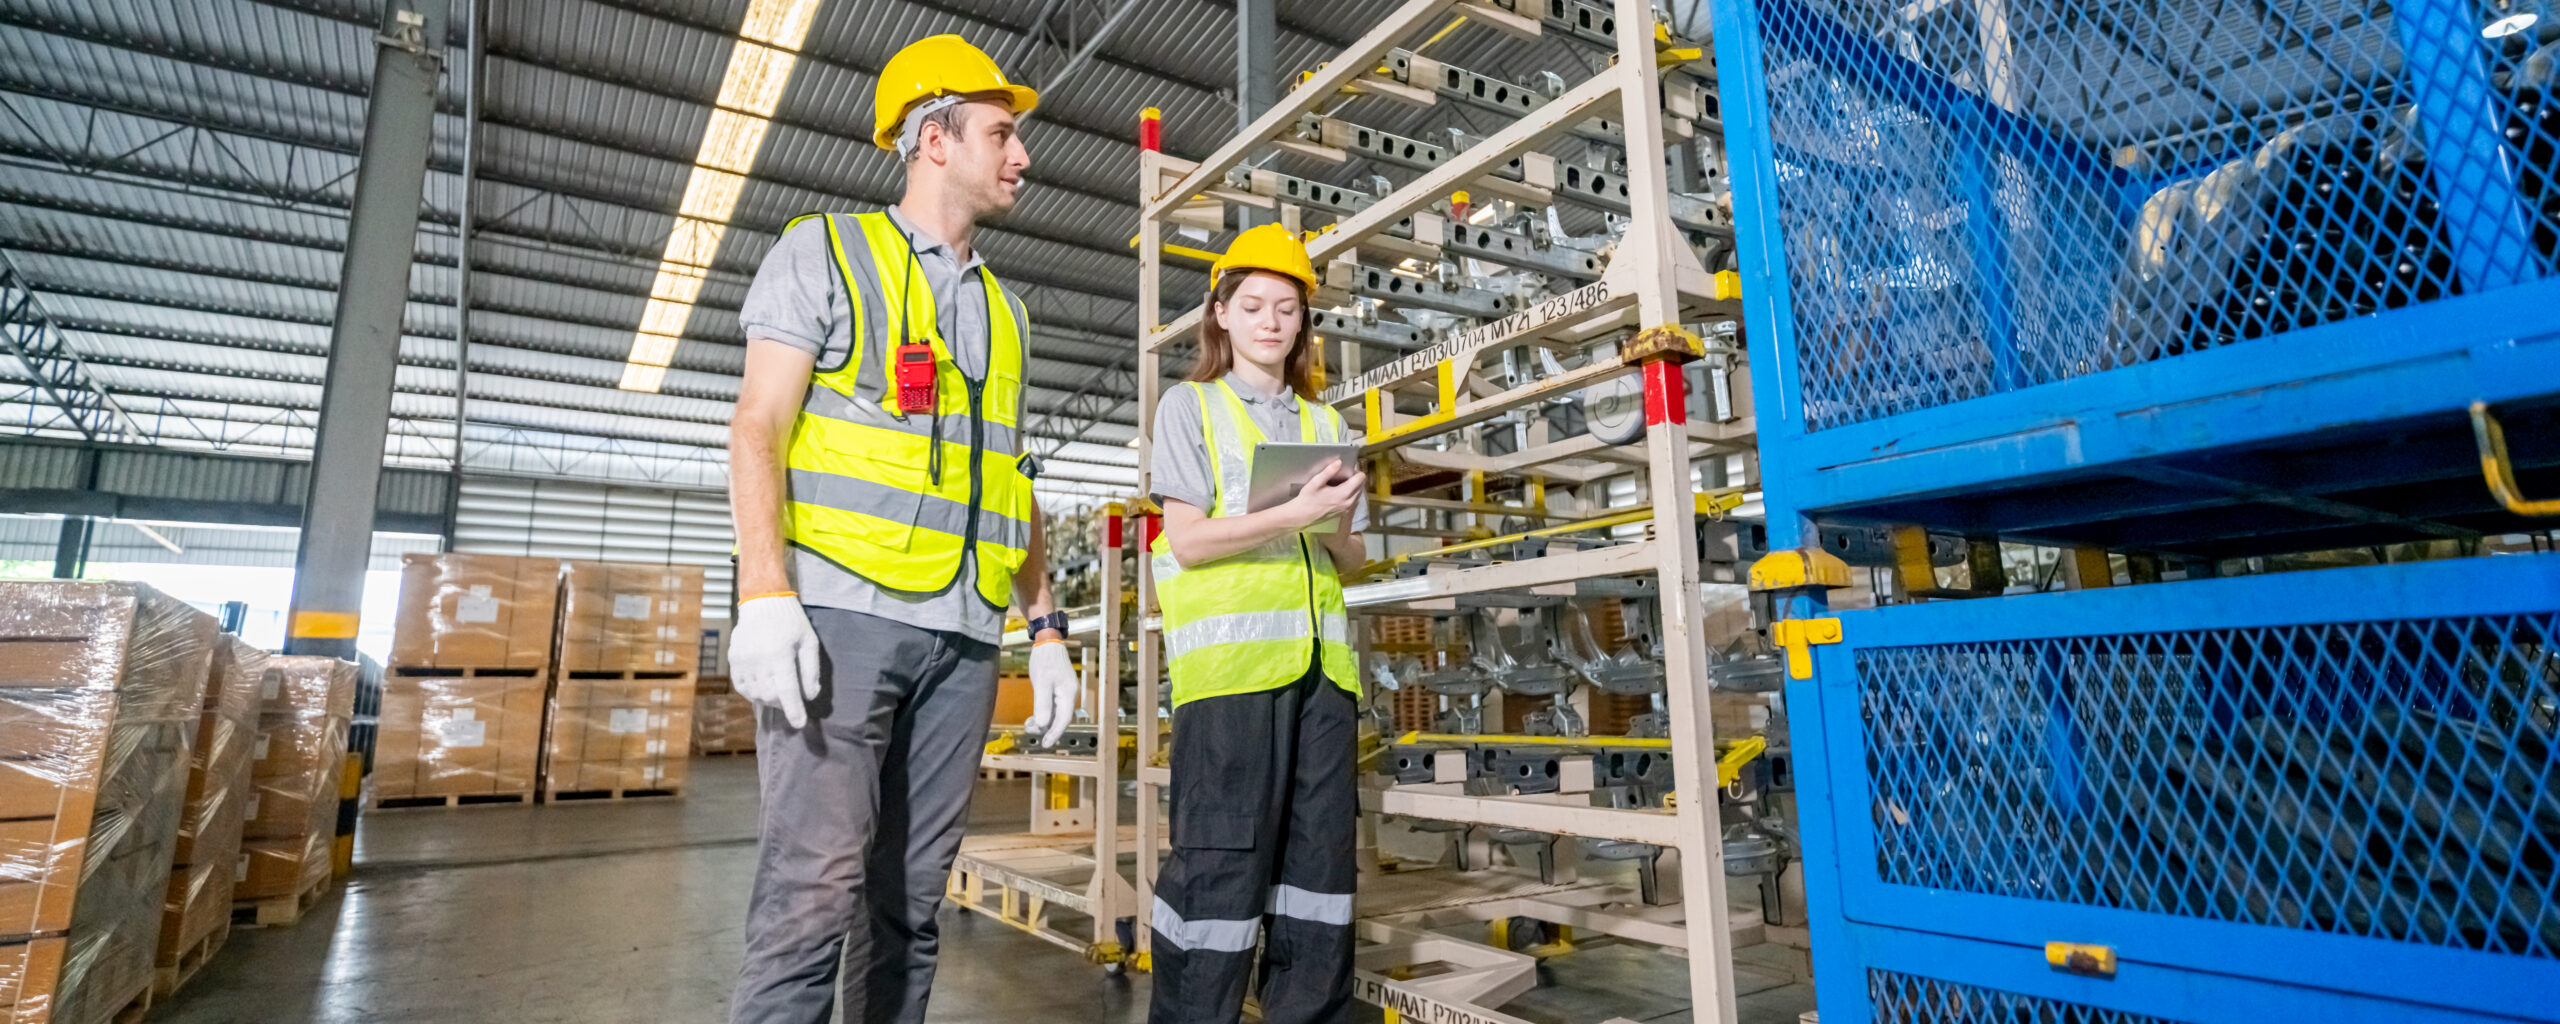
x=863, y=810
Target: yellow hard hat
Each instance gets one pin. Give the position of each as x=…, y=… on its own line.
x=944, y=65
x=1268, y=247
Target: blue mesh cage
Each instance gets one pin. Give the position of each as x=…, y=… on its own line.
x=2325, y=795
x=1977, y=196
x=1913, y=999
x=2389, y=779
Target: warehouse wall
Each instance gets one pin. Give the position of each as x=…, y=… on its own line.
x=514, y=516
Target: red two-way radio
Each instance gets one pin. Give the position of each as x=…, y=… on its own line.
x=916, y=373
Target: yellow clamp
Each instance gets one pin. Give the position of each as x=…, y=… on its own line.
x=1105, y=953
x=1797, y=637
x=1740, y=752
x=2500, y=470
x=1666, y=55
x=1714, y=504
x=2082, y=958
x=1789, y=570
x=1002, y=744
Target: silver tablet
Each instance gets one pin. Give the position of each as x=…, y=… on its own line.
x=1280, y=468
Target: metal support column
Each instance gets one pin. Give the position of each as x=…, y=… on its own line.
x=71, y=552
x=1257, y=79
x=364, y=347
x=474, y=24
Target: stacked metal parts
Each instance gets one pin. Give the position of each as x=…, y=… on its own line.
x=1528, y=309
x=2163, y=297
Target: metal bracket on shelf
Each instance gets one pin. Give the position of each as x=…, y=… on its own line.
x=2500, y=469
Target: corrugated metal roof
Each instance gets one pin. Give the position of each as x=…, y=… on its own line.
x=177, y=175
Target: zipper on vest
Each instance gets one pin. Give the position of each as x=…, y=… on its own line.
x=977, y=452
x=1315, y=618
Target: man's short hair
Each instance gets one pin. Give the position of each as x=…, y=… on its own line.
x=951, y=119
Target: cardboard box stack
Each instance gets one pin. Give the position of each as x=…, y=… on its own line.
x=613, y=738
x=622, y=617
x=305, y=705
x=475, y=611
x=462, y=702
x=195, y=917
x=621, y=714
x=101, y=693
x=723, y=722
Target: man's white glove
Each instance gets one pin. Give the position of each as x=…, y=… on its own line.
x=1054, y=693
x=773, y=656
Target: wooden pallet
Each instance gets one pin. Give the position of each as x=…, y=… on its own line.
x=431, y=672
x=410, y=803
x=588, y=796
x=168, y=978
x=279, y=911
x=135, y=1011
x=633, y=675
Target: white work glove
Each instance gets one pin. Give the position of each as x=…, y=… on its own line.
x=1054, y=693
x=773, y=656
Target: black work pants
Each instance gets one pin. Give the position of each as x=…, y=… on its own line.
x=1265, y=821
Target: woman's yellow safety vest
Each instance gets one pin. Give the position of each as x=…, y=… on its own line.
x=895, y=499
x=1241, y=624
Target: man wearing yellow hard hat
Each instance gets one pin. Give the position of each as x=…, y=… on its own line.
x=1257, y=643
x=885, y=521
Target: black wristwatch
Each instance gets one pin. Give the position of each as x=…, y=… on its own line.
x=1054, y=620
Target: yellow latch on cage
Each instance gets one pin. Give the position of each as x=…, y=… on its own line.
x=2082, y=958
x=1797, y=637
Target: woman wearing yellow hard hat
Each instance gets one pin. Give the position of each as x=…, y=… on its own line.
x=1257, y=641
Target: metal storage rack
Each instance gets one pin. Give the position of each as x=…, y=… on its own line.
x=1066, y=863
x=2170, y=287
x=1652, y=283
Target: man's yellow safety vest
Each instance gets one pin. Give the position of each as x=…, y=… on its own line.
x=896, y=499
x=1241, y=624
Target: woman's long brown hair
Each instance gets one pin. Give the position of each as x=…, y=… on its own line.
x=1216, y=354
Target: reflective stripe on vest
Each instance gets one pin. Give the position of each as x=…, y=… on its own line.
x=1241, y=624
x=873, y=491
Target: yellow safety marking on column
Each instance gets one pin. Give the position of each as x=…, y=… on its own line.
x=323, y=626
x=1798, y=636
x=1369, y=406
x=1448, y=374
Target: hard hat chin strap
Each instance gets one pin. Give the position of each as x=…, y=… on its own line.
x=908, y=133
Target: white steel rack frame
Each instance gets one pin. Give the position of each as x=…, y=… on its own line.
x=1653, y=281
x=1020, y=878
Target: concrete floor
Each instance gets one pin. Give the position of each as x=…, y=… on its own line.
x=614, y=914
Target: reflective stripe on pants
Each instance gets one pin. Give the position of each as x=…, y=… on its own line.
x=1265, y=818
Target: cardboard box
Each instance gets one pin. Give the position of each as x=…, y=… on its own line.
x=102, y=698
x=626, y=617
x=609, y=734
x=30, y=973
x=723, y=723
x=454, y=735
x=297, y=761
x=273, y=868
x=475, y=611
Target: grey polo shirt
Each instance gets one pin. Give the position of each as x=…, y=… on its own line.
x=1182, y=462
x=798, y=298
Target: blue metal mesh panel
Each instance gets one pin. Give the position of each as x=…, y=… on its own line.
x=2391, y=779
x=1982, y=195
x=1912, y=999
